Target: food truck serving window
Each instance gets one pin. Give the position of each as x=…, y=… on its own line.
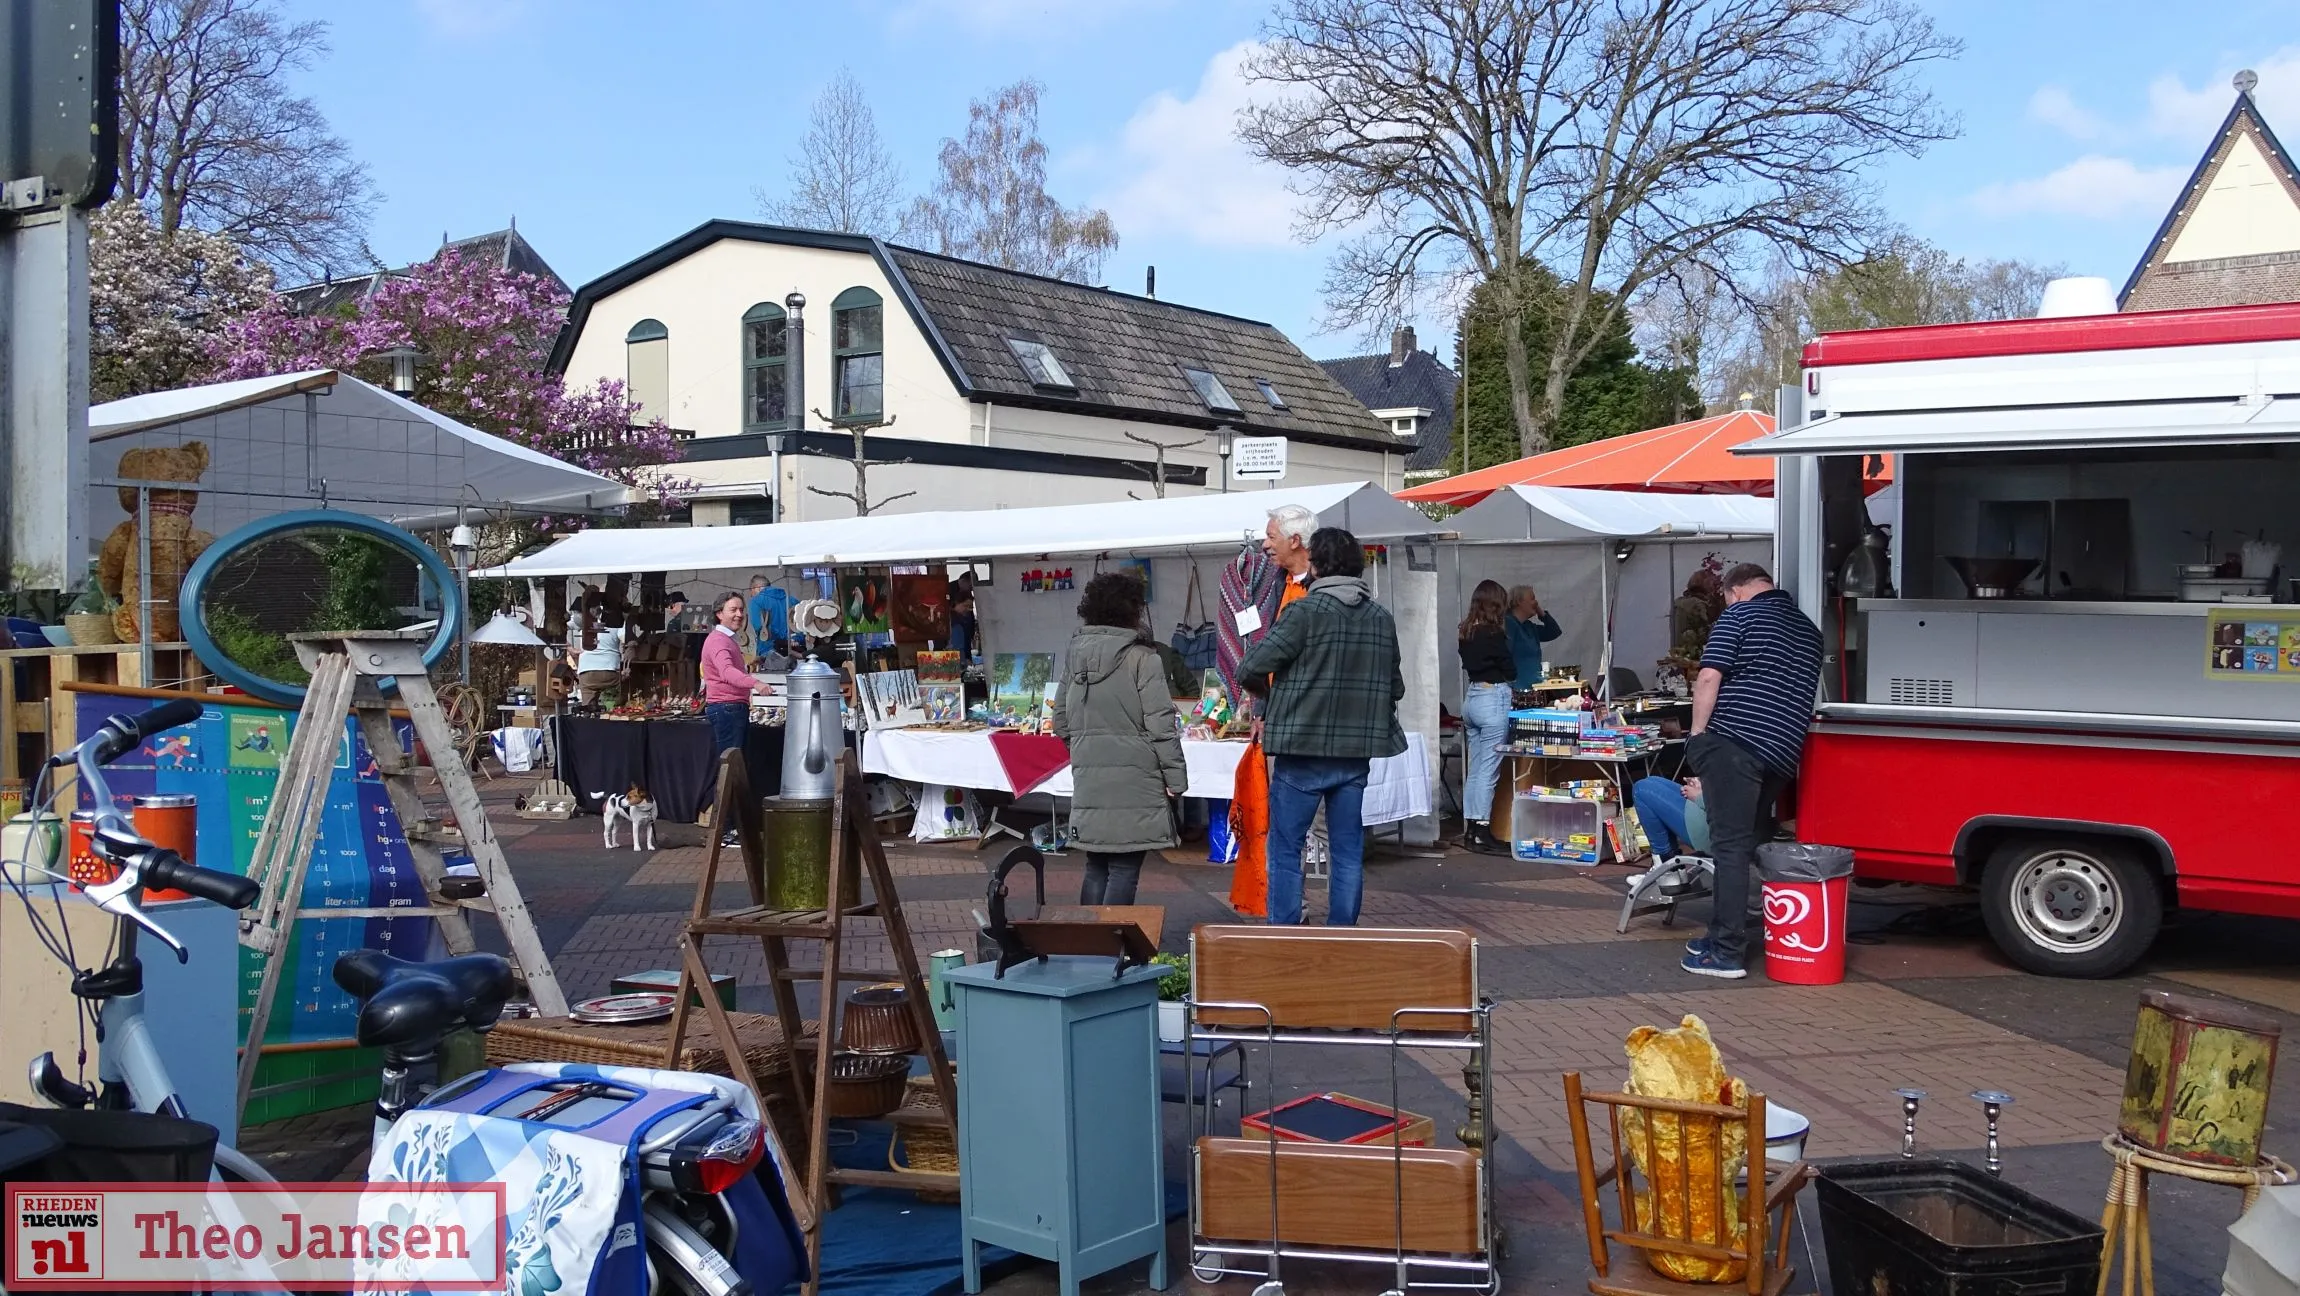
x=2073, y=427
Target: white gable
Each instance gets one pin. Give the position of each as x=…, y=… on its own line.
x=2246, y=210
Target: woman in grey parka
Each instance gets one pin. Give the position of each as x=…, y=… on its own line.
x=1113, y=708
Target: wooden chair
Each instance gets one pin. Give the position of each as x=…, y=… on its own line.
x=1768, y=1275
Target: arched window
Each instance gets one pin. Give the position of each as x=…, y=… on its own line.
x=858, y=351
x=766, y=368
x=647, y=369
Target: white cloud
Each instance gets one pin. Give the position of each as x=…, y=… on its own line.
x=2180, y=111
x=469, y=19
x=2053, y=106
x=2093, y=187
x=1184, y=171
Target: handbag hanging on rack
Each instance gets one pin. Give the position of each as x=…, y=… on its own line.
x=1196, y=640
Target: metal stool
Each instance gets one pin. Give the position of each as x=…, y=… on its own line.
x=2127, y=1209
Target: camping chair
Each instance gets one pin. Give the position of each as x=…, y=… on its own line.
x=1659, y=888
x=1763, y=1194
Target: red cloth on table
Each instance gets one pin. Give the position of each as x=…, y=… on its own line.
x=1250, y=828
x=1028, y=759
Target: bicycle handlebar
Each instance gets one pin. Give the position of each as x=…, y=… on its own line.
x=142, y=862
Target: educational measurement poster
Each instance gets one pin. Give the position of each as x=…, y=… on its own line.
x=2253, y=644
x=230, y=760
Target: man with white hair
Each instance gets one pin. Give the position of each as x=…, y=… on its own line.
x=1287, y=541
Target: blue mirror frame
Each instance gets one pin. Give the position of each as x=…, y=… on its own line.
x=190, y=603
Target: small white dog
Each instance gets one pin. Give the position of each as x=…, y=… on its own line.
x=636, y=806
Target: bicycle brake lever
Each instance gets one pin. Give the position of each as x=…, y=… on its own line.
x=113, y=898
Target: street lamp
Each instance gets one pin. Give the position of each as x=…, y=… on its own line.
x=461, y=545
x=1222, y=437
x=403, y=361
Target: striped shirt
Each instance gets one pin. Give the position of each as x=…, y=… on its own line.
x=1770, y=656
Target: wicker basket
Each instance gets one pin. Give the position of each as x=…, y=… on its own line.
x=923, y=1149
x=91, y=629
x=866, y=1086
x=559, y=1039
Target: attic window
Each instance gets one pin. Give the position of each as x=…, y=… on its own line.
x=1039, y=362
x=1211, y=391
x=1270, y=394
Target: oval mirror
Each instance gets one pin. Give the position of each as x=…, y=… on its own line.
x=313, y=572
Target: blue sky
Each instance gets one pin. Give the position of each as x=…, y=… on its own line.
x=607, y=128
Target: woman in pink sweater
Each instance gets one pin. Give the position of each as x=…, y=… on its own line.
x=726, y=685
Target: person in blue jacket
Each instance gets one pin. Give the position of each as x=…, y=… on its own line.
x=1529, y=628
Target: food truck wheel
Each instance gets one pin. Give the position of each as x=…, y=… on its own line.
x=2070, y=906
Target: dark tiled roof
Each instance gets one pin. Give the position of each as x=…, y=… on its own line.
x=1125, y=352
x=1421, y=381
x=506, y=248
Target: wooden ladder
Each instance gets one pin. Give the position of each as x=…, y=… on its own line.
x=809, y=1081
x=345, y=670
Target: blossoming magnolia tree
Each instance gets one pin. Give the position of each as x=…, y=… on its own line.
x=485, y=333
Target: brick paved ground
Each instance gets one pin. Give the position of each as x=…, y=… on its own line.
x=1927, y=1003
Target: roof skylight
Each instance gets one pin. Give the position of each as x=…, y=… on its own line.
x=1270, y=394
x=1211, y=391
x=1039, y=362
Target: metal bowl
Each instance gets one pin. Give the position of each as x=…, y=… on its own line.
x=625, y=1009
x=1991, y=577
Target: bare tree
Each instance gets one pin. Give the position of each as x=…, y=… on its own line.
x=1617, y=142
x=991, y=204
x=1909, y=282
x=1158, y=467
x=212, y=137
x=843, y=178
x=860, y=461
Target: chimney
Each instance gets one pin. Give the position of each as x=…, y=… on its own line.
x=1401, y=345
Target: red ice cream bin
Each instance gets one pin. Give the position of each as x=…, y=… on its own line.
x=1804, y=901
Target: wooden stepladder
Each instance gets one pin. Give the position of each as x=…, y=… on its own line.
x=345, y=674
x=807, y=1077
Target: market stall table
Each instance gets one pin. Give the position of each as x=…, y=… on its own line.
x=671, y=758
x=1397, y=787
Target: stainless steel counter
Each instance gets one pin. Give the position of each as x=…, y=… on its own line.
x=2057, y=607
x=2020, y=655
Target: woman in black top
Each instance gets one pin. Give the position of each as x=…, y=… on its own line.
x=1487, y=667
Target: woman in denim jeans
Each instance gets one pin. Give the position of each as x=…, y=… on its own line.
x=1487, y=667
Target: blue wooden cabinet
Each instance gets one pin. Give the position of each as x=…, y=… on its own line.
x=1060, y=1154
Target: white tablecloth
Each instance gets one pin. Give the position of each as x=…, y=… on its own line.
x=1398, y=787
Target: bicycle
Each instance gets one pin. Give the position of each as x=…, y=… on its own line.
x=701, y=1150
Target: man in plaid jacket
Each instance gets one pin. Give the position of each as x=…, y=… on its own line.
x=1332, y=672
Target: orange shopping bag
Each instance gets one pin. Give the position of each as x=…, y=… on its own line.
x=1250, y=827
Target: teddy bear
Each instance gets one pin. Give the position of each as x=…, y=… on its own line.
x=1684, y=1064
x=176, y=543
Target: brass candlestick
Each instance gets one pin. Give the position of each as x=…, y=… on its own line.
x=1472, y=1131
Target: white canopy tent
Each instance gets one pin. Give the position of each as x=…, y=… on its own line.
x=1180, y=537
x=1608, y=564
x=326, y=439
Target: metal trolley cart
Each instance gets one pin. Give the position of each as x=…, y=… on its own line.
x=1426, y=1210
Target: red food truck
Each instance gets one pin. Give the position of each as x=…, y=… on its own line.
x=2064, y=648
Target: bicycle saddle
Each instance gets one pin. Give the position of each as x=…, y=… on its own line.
x=404, y=1002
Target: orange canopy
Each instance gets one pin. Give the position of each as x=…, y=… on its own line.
x=1683, y=458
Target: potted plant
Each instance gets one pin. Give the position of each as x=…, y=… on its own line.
x=1173, y=988
x=89, y=619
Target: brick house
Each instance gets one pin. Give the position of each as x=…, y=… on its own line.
x=2233, y=238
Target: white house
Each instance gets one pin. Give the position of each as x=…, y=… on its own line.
x=1000, y=389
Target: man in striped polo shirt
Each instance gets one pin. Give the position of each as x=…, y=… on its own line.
x=1752, y=702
